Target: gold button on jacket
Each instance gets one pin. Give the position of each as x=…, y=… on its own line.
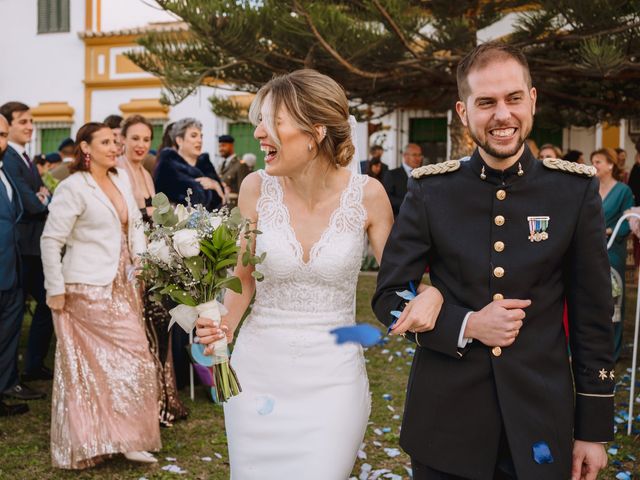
x=498, y=272
x=497, y=351
x=499, y=220
x=498, y=296
x=501, y=194
x=498, y=246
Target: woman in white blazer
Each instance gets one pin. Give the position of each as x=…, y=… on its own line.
x=104, y=373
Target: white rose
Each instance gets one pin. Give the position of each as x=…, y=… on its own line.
x=215, y=222
x=182, y=212
x=186, y=242
x=160, y=250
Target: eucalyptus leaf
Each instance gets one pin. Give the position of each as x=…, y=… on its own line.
x=232, y=283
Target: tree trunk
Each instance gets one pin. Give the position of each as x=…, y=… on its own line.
x=461, y=142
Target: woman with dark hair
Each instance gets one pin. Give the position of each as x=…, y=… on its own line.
x=616, y=199
x=104, y=373
x=374, y=169
x=137, y=134
x=177, y=171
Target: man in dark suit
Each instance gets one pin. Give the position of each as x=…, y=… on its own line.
x=232, y=171
x=395, y=181
x=491, y=393
x=11, y=301
x=34, y=197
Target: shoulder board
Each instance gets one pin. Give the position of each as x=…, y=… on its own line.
x=436, y=169
x=569, y=167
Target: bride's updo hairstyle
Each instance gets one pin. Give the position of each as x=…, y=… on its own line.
x=311, y=99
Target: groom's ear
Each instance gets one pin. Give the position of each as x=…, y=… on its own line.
x=461, y=110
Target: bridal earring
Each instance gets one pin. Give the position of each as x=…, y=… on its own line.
x=520, y=171
x=87, y=161
x=324, y=132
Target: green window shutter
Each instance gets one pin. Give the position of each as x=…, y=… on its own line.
x=53, y=16
x=431, y=134
x=158, y=130
x=44, y=13
x=64, y=21
x=543, y=135
x=245, y=143
x=50, y=138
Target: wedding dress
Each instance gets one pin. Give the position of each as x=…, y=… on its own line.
x=305, y=400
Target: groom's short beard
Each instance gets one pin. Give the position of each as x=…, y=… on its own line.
x=492, y=151
x=2, y=153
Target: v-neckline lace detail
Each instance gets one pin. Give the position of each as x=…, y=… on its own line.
x=315, y=246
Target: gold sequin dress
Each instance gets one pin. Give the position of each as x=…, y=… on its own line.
x=104, y=397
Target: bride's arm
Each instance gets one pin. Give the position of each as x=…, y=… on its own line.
x=421, y=313
x=379, y=216
x=236, y=303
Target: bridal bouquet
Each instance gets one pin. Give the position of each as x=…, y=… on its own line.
x=189, y=254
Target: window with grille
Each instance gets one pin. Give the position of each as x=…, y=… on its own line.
x=53, y=16
x=49, y=138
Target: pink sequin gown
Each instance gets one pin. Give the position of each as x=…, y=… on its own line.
x=104, y=397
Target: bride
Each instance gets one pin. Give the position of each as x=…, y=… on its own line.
x=305, y=402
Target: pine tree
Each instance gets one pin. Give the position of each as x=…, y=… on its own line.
x=389, y=54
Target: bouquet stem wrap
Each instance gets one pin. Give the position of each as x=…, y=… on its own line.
x=223, y=382
x=212, y=311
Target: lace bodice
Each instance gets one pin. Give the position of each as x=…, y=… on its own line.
x=327, y=281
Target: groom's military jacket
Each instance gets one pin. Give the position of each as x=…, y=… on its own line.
x=534, y=231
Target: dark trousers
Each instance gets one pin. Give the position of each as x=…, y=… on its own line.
x=41, y=324
x=11, y=313
x=504, y=470
x=181, y=361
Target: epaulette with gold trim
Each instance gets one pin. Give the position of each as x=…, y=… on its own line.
x=569, y=167
x=436, y=168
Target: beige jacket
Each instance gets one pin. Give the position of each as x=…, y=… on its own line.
x=83, y=219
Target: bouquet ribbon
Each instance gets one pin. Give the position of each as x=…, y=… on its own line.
x=186, y=316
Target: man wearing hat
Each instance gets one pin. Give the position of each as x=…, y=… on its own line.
x=65, y=150
x=232, y=171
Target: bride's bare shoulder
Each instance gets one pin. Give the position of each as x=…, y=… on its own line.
x=375, y=198
x=249, y=194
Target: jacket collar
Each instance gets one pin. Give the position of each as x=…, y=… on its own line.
x=526, y=163
x=97, y=191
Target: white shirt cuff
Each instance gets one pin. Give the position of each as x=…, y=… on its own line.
x=462, y=340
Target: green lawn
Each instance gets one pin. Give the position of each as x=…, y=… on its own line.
x=24, y=440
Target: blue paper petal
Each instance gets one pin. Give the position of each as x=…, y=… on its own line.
x=264, y=404
x=542, y=453
x=396, y=313
x=623, y=476
x=196, y=351
x=413, y=289
x=406, y=295
x=364, y=334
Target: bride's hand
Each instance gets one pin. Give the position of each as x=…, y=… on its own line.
x=421, y=313
x=208, y=333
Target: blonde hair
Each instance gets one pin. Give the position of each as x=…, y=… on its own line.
x=311, y=99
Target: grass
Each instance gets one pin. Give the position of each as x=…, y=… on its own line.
x=24, y=440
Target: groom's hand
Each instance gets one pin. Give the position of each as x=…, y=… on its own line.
x=588, y=459
x=421, y=313
x=497, y=324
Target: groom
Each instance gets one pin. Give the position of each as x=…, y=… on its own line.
x=508, y=240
